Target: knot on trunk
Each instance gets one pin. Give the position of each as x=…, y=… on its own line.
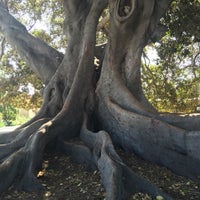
x=125, y=9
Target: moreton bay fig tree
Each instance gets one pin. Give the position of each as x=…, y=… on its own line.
x=100, y=108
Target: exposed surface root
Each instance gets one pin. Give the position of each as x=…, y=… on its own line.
x=21, y=157
x=97, y=151
x=119, y=181
x=14, y=142
x=186, y=121
x=9, y=169
x=153, y=139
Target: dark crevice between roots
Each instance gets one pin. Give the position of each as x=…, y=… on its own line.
x=78, y=152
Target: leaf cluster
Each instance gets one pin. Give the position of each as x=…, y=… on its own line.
x=174, y=79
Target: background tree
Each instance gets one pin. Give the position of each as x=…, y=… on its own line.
x=97, y=107
x=174, y=78
x=8, y=114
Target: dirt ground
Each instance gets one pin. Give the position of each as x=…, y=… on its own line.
x=64, y=180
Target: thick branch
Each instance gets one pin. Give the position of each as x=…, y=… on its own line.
x=76, y=14
x=85, y=67
x=42, y=58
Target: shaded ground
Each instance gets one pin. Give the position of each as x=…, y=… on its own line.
x=62, y=180
x=65, y=180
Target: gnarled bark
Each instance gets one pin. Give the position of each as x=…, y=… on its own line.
x=99, y=115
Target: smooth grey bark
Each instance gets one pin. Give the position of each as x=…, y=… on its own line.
x=123, y=110
x=114, y=113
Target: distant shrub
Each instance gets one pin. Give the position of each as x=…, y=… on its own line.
x=8, y=114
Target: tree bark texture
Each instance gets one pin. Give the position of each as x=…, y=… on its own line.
x=104, y=109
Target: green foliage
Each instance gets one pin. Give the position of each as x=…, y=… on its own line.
x=20, y=120
x=1, y=120
x=172, y=84
x=9, y=114
x=171, y=92
x=1, y=124
x=17, y=81
x=102, y=28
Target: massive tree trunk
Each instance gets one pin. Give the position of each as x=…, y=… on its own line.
x=100, y=111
